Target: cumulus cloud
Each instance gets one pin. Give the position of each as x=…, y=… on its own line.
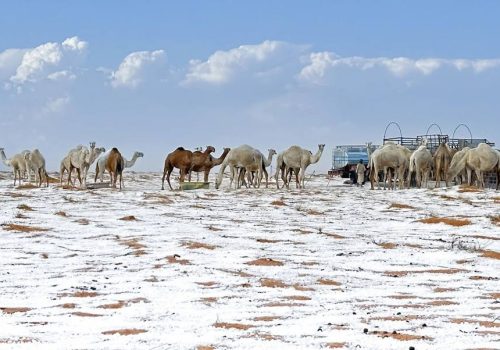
x=9, y=60
x=222, y=66
x=56, y=105
x=320, y=63
x=38, y=62
x=61, y=75
x=131, y=71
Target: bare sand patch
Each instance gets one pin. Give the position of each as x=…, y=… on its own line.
x=278, y=203
x=129, y=218
x=129, y=331
x=328, y=282
x=447, y=221
x=265, y=262
x=174, y=259
x=492, y=254
x=14, y=310
x=400, y=336
x=468, y=188
x=26, y=186
x=407, y=272
x=335, y=345
x=80, y=294
x=198, y=245
x=25, y=207
x=267, y=318
x=297, y=297
x=23, y=228
x=226, y=325
x=85, y=314
x=487, y=324
x=272, y=283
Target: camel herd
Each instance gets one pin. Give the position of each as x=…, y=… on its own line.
x=247, y=165
x=243, y=161
x=446, y=164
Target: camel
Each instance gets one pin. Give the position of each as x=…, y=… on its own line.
x=243, y=156
x=421, y=162
x=80, y=158
x=265, y=163
x=100, y=167
x=115, y=165
x=299, y=159
x=442, y=159
x=181, y=159
x=200, y=161
x=481, y=159
x=456, y=160
x=209, y=164
x=389, y=156
x=281, y=169
x=17, y=163
x=36, y=162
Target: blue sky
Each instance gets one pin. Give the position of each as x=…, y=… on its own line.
x=154, y=75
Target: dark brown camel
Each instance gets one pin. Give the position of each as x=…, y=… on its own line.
x=208, y=164
x=115, y=165
x=181, y=159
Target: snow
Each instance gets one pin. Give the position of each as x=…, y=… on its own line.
x=183, y=269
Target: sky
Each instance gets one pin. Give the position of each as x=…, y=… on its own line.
x=154, y=75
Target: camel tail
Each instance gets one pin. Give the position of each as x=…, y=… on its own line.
x=412, y=165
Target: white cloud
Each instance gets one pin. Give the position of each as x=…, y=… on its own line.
x=131, y=71
x=61, y=75
x=320, y=63
x=221, y=66
x=9, y=60
x=56, y=105
x=36, y=62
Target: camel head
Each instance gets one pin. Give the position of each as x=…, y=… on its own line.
x=92, y=145
x=210, y=149
x=272, y=152
x=27, y=155
x=321, y=147
x=138, y=154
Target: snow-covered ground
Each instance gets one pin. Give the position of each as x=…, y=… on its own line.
x=331, y=266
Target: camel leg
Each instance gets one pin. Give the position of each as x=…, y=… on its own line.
x=168, y=178
x=205, y=176
x=480, y=178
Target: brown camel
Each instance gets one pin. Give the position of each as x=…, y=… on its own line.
x=209, y=163
x=200, y=160
x=115, y=165
x=442, y=160
x=181, y=159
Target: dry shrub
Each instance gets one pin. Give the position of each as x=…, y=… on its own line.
x=17, y=195
x=18, y=340
x=61, y=213
x=13, y=310
x=117, y=305
x=21, y=216
x=128, y=218
x=213, y=228
x=328, y=282
x=208, y=300
x=207, y=284
x=400, y=206
x=129, y=331
x=265, y=262
x=227, y=325
x=205, y=347
x=443, y=290
x=297, y=297
x=314, y=212
x=438, y=271
x=278, y=203
x=23, y=228
x=441, y=302
x=263, y=240
x=85, y=314
x=80, y=294
x=387, y=245
x=68, y=305
x=495, y=220
x=82, y=221
x=24, y=207
x=173, y=259
x=335, y=345
x=267, y=318
x=447, y=221
x=301, y=288
x=279, y=304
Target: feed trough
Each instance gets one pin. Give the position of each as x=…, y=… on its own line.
x=186, y=186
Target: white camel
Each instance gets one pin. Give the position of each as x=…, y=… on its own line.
x=17, y=163
x=36, y=162
x=80, y=158
x=298, y=159
x=421, y=163
x=241, y=157
x=481, y=159
x=100, y=167
x=458, y=157
x=389, y=156
x=265, y=163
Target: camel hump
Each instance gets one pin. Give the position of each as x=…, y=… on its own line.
x=180, y=149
